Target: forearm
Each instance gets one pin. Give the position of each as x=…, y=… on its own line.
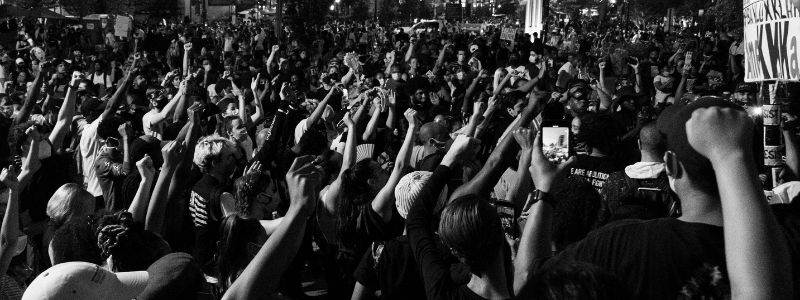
x=755, y=250
x=154, y=220
x=126, y=156
x=349, y=149
x=141, y=200
x=30, y=100
x=522, y=184
x=534, y=244
x=372, y=125
x=10, y=230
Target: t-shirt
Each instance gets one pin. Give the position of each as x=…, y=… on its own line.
x=90, y=146
x=206, y=212
x=300, y=129
x=654, y=259
x=111, y=173
x=390, y=267
x=661, y=96
x=594, y=170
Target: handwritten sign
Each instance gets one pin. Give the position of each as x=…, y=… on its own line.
x=122, y=26
x=771, y=32
x=508, y=34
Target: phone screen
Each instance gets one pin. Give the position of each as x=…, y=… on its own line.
x=505, y=210
x=555, y=143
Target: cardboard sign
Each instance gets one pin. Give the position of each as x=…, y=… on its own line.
x=508, y=34
x=771, y=33
x=771, y=114
x=122, y=26
x=687, y=62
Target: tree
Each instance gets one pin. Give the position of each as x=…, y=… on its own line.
x=727, y=14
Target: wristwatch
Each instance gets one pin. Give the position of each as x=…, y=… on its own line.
x=539, y=195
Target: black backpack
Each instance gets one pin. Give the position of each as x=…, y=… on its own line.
x=648, y=199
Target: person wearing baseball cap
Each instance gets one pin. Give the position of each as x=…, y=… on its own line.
x=174, y=276
x=660, y=258
x=745, y=94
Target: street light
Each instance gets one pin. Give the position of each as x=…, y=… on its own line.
x=331, y=8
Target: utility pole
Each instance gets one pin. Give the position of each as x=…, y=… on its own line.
x=279, y=19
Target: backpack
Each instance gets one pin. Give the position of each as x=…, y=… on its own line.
x=648, y=199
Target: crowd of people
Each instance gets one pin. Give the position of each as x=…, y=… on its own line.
x=219, y=161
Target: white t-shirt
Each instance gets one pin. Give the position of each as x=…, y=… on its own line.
x=90, y=146
x=660, y=95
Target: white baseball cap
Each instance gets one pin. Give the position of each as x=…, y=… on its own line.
x=83, y=280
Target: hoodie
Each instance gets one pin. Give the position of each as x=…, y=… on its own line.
x=644, y=170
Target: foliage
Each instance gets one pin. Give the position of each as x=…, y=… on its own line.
x=727, y=14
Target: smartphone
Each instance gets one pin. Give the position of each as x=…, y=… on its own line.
x=556, y=143
x=505, y=210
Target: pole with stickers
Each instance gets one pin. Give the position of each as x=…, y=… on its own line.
x=774, y=157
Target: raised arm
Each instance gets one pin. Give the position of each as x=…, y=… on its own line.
x=391, y=103
x=440, y=59
x=31, y=164
x=317, y=114
x=262, y=274
x=349, y=159
x=384, y=201
x=10, y=229
x=258, y=116
x=528, y=86
x=389, y=62
x=154, y=221
x=271, y=59
x=122, y=87
x=30, y=100
x=522, y=184
x=410, y=53
x=501, y=156
x=756, y=252
x=372, y=126
x=164, y=113
x=141, y=200
x=536, y=238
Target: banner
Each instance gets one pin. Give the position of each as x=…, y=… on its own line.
x=771, y=32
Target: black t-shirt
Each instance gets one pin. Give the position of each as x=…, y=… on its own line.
x=594, y=170
x=655, y=258
x=391, y=268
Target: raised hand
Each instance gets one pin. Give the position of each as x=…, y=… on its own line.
x=172, y=153
x=303, y=180
x=524, y=138
x=275, y=48
x=543, y=172
x=716, y=132
x=348, y=120
x=187, y=46
x=194, y=112
x=125, y=130
x=33, y=133
x=145, y=167
x=254, y=82
x=411, y=116
x=602, y=65
x=254, y=168
x=9, y=177
x=478, y=108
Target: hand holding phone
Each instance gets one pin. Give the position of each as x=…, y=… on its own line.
x=556, y=144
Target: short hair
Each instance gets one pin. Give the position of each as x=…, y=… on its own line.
x=651, y=139
x=209, y=150
x=571, y=279
x=576, y=213
x=471, y=228
x=68, y=202
x=109, y=127
x=599, y=131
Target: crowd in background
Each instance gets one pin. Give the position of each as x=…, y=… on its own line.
x=215, y=161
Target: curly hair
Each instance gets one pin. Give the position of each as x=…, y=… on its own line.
x=247, y=189
x=127, y=243
x=209, y=150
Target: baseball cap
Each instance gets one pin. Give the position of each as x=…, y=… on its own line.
x=83, y=280
x=672, y=124
x=91, y=105
x=745, y=87
x=174, y=276
x=408, y=189
x=20, y=60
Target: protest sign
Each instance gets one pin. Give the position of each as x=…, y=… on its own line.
x=122, y=26
x=507, y=34
x=771, y=32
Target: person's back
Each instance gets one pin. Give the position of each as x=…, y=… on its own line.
x=654, y=258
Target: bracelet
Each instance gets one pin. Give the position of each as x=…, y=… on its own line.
x=539, y=195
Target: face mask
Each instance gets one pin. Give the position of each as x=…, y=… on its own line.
x=532, y=59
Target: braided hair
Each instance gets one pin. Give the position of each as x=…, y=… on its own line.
x=127, y=243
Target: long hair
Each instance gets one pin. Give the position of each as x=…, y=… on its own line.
x=69, y=201
x=232, y=254
x=355, y=194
